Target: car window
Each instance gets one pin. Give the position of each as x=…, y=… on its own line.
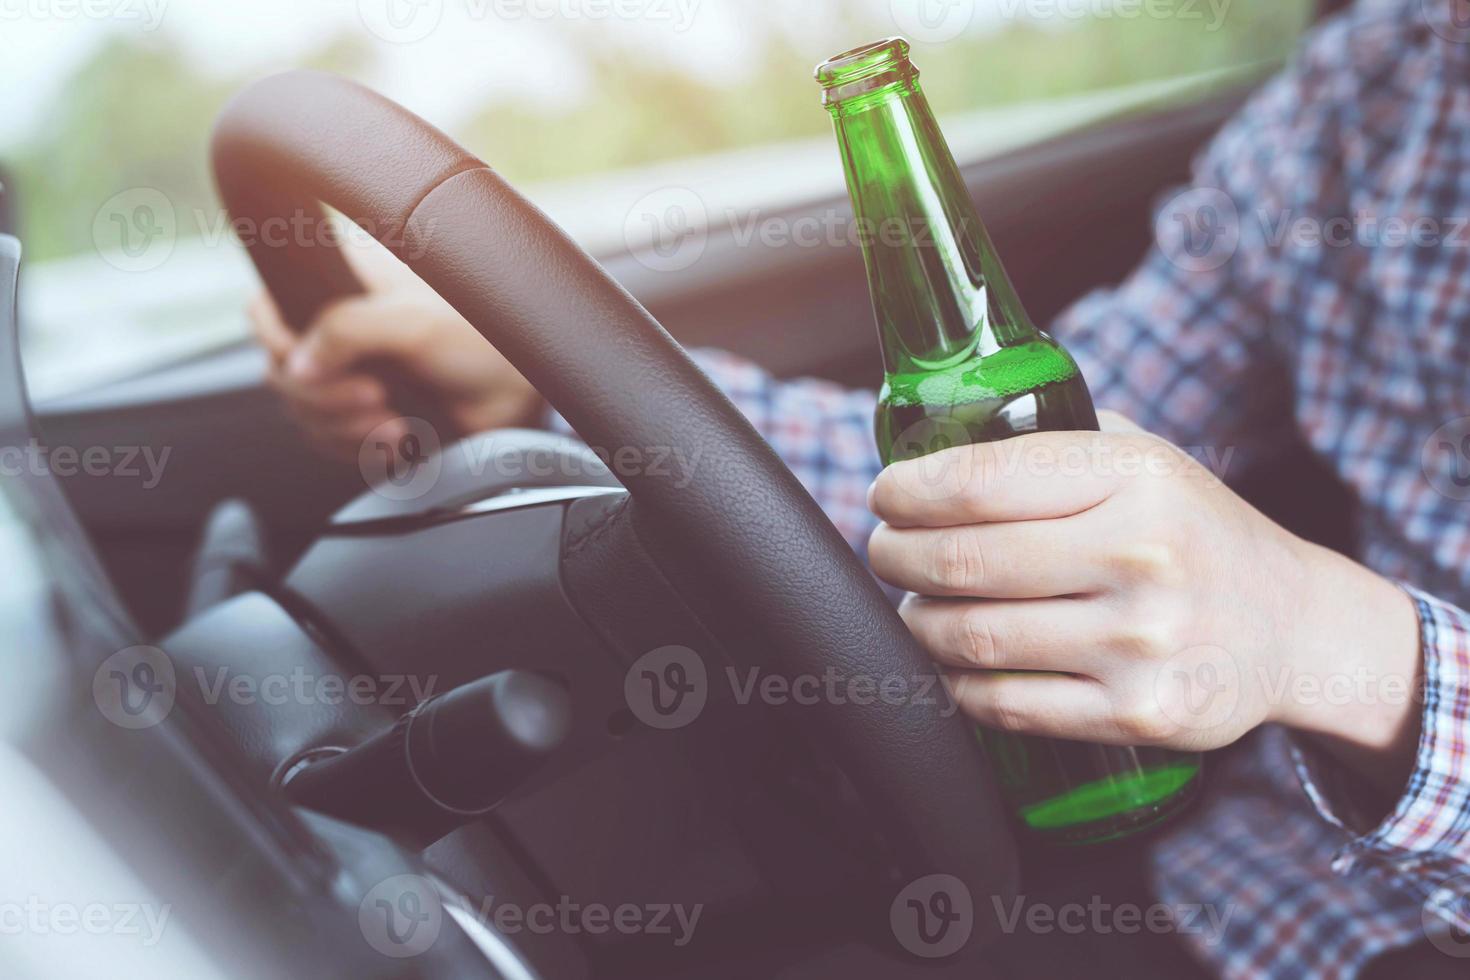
x=588, y=105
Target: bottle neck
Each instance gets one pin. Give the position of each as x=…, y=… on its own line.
x=940, y=294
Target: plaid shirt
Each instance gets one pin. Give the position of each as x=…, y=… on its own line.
x=1313, y=285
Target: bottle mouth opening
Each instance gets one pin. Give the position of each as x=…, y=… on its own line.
x=865, y=69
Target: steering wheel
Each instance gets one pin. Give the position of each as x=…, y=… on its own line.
x=738, y=529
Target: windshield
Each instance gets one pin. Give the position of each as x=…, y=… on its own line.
x=131, y=263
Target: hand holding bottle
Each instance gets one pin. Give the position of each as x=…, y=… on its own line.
x=963, y=364
x=1106, y=587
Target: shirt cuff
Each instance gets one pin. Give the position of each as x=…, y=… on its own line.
x=1424, y=844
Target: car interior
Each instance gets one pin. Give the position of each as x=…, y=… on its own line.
x=269, y=827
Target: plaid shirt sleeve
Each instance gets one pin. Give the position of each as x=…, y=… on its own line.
x=1187, y=346
x=1424, y=844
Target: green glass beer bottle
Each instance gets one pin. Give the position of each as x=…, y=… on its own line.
x=963, y=363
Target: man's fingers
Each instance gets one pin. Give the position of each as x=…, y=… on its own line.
x=353, y=330
x=1054, y=705
x=270, y=330
x=1038, y=634
x=336, y=397
x=1031, y=477
x=1110, y=421
x=344, y=437
x=1015, y=560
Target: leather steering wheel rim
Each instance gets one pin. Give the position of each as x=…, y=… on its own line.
x=290, y=143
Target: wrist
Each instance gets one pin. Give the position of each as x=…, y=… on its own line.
x=1351, y=676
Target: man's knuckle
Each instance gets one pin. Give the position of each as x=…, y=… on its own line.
x=1153, y=557
x=1150, y=633
x=1010, y=715
x=975, y=473
x=1142, y=721
x=954, y=563
x=977, y=640
x=330, y=332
